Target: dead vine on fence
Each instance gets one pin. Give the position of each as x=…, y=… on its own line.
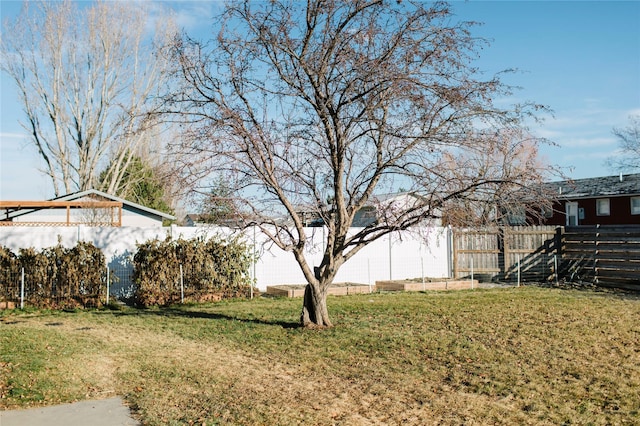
x=54, y=277
x=212, y=269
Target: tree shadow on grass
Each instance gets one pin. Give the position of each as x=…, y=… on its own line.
x=621, y=293
x=181, y=313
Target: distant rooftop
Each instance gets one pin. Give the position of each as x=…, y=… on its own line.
x=605, y=186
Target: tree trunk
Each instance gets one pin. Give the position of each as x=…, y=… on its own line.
x=314, y=306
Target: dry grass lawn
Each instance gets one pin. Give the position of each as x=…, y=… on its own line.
x=502, y=356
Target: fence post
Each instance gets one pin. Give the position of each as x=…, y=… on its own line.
x=390, y=260
x=596, y=251
x=451, y=252
x=22, y=289
x=472, y=271
x=506, y=254
x=108, y=282
x=558, y=247
x=255, y=260
x=555, y=267
x=518, y=270
x=181, y=285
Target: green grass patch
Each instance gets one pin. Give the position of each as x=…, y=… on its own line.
x=509, y=356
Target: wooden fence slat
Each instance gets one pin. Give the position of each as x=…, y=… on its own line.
x=606, y=255
x=496, y=251
x=615, y=251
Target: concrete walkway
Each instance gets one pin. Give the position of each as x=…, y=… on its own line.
x=103, y=412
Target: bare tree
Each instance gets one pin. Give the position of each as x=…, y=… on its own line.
x=513, y=189
x=86, y=76
x=629, y=141
x=94, y=215
x=325, y=106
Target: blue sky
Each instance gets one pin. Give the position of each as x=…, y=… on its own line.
x=580, y=58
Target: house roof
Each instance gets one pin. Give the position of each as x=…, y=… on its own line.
x=606, y=186
x=94, y=192
x=89, y=192
x=196, y=217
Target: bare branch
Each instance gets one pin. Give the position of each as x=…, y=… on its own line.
x=629, y=144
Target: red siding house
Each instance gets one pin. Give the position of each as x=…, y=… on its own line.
x=609, y=200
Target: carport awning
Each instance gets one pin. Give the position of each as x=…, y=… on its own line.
x=12, y=207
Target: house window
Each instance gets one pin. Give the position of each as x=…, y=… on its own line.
x=572, y=212
x=635, y=205
x=603, y=207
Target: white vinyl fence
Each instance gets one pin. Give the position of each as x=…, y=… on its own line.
x=410, y=254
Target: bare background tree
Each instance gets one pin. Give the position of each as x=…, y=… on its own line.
x=328, y=105
x=511, y=170
x=87, y=76
x=628, y=158
x=93, y=215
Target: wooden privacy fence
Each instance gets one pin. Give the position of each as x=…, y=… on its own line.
x=504, y=253
x=604, y=255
